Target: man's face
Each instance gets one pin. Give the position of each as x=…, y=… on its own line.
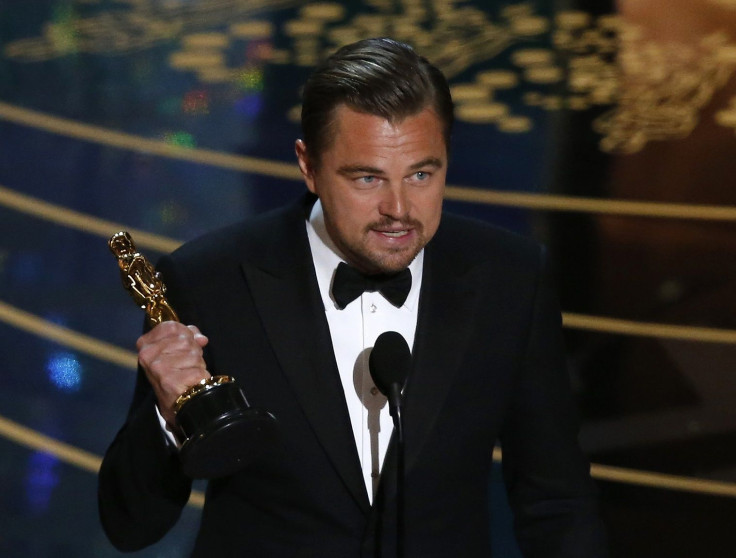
x=381, y=186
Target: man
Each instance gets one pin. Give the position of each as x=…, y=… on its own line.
x=479, y=314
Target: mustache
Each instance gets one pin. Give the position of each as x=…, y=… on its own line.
x=388, y=223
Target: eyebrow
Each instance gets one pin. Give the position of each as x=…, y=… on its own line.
x=364, y=169
x=358, y=169
x=428, y=162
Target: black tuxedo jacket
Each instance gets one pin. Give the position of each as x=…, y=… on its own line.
x=488, y=366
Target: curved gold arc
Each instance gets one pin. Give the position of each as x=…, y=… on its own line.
x=80, y=221
x=575, y=204
x=241, y=163
x=34, y=440
x=31, y=323
x=651, y=479
x=122, y=140
x=660, y=480
x=647, y=329
x=71, y=455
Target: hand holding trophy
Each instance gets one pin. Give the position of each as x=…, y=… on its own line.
x=223, y=433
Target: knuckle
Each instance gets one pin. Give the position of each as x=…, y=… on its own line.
x=145, y=353
x=168, y=326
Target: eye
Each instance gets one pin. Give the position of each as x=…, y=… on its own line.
x=422, y=175
x=370, y=179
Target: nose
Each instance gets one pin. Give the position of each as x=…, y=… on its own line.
x=394, y=202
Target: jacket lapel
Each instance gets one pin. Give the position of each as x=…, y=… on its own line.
x=451, y=287
x=286, y=295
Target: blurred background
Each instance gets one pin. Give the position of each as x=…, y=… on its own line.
x=605, y=129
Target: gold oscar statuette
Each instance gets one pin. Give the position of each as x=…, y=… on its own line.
x=222, y=432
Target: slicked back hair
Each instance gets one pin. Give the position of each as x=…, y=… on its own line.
x=380, y=77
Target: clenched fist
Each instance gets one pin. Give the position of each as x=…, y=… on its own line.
x=171, y=356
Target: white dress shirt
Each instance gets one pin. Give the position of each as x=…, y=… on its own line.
x=354, y=331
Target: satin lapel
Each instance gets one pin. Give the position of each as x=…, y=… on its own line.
x=449, y=296
x=450, y=293
x=286, y=294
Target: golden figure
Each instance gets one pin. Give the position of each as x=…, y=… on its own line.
x=141, y=280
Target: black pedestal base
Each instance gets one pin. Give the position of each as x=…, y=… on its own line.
x=223, y=432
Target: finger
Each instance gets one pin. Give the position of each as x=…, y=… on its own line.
x=199, y=337
x=162, y=331
x=171, y=356
x=184, y=344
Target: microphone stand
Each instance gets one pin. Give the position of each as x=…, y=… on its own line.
x=390, y=363
x=395, y=410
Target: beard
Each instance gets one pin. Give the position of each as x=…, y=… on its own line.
x=371, y=259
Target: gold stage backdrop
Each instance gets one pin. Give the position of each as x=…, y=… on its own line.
x=605, y=129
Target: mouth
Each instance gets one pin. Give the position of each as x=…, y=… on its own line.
x=394, y=229
x=394, y=234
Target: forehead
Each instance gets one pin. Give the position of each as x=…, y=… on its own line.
x=356, y=133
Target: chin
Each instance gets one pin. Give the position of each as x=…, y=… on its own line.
x=393, y=265
x=376, y=261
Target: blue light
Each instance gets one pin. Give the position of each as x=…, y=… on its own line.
x=65, y=371
x=249, y=105
x=41, y=479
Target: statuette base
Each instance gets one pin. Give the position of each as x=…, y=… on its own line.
x=223, y=433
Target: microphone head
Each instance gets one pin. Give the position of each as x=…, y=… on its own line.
x=389, y=361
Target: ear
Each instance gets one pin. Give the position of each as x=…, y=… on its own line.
x=305, y=165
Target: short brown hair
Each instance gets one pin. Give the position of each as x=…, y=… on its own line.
x=382, y=77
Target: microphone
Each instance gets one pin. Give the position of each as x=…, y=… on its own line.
x=389, y=364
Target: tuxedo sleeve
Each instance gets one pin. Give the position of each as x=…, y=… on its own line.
x=141, y=488
x=546, y=474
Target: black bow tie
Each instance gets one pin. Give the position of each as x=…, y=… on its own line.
x=349, y=284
